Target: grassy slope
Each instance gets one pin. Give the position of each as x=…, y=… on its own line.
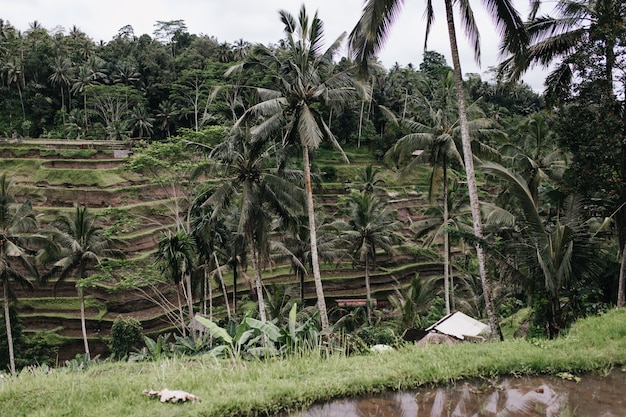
x=256, y=388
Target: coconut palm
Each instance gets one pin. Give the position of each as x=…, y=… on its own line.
x=453, y=214
x=550, y=255
x=17, y=222
x=575, y=24
x=435, y=139
x=260, y=191
x=533, y=153
x=372, y=226
x=367, y=39
x=80, y=245
x=295, y=247
x=304, y=76
x=62, y=76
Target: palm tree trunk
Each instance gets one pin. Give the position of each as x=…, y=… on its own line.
x=368, y=290
x=7, y=321
x=468, y=158
x=234, y=287
x=219, y=272
x=446, y=239
x=257, y=280
x=83, y=324
x=189, y=297
x=180, y=310
x=317, y=276
x=621, y=287
x=301, y=276
x=360, y=124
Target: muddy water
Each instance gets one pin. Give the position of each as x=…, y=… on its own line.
x=592, y=396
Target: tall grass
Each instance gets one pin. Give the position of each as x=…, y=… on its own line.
x=240, y=388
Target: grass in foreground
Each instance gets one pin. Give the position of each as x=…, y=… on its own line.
x=238, y=388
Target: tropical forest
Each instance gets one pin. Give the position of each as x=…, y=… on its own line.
x=263, y=227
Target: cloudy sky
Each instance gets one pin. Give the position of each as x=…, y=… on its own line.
x=256, y=21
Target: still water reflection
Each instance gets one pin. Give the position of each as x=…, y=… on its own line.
x=593, y=396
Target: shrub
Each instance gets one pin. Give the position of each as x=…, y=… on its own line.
x=126, y=336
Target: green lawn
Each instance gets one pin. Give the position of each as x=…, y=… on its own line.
x=251, y=388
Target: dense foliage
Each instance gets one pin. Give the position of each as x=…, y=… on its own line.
x=240, y=136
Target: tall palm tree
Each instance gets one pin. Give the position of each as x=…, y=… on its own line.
x=80, y=245
x=435, y=139
x=367, y=39
x=17, y=221
x=453, y=214
x=303, y=75
x=550, y=255
x=371, y=227
x=61, y=75
x=260, y=191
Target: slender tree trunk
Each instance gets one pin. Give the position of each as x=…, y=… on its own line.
x=468, y=158
x=258, y=282
x=360, y=124
x=210, y=288
x=446, y=239
x=317, y=276
x=83, y=324
x=219, y=273
x=301, y=277
x=368, y=290
x=180, y=310
x=621, y=287
x=235, y=287
x=190, y=313
x=7, y=321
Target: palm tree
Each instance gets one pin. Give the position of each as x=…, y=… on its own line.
x=175, y=255
x=80, y=245
x=303, y=74
x=561, y=38
x=435, y=139
x=61, y=75
x=17, y=221
x=453, y=214
x=535, y=154
x=166, y=113
x=13, y=74
x=368, y=37
x=371, y=227
x=260, y=192
x=550, y=255
x=141, y=121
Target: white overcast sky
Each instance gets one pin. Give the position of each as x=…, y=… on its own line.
x=258, y=21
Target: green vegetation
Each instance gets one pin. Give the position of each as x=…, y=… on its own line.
x=196, y=163
x=250, y=388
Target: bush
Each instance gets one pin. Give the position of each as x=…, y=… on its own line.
x=377, y=335
x=126, y=336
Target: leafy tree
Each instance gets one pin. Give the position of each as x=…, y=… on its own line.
x=435, y=138
x=17, y=222
x=175, y=256
x=371, y=227
x=367, y=38
x=260, y=192
x=80, y=244
x=549, y=256
x=303, y=78
x=580, y=30
x=125, y=336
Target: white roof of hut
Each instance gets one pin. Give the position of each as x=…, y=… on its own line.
x=459, y=325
